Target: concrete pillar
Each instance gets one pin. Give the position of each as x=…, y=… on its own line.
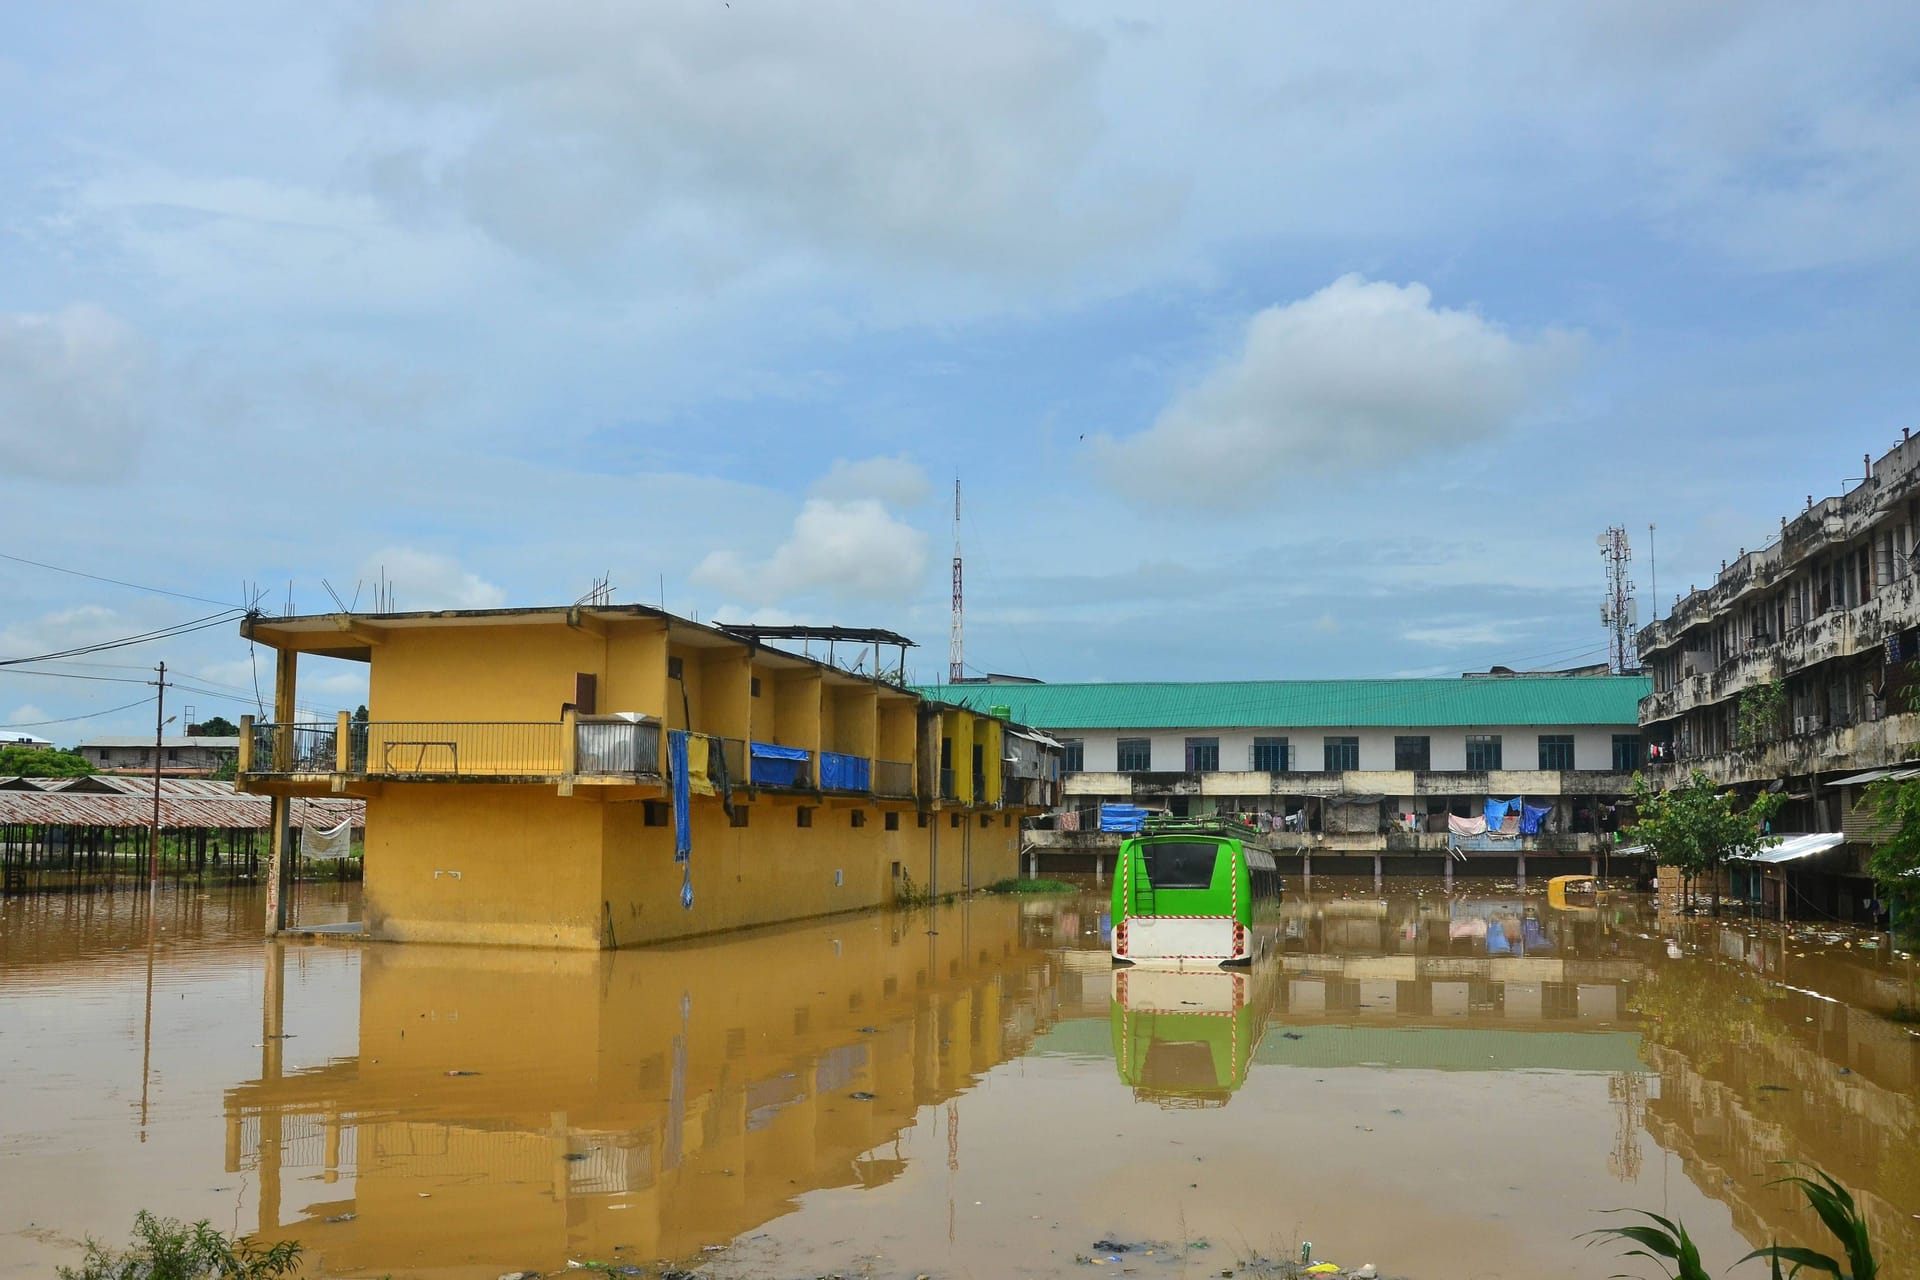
x=1376, y=873
x=273, y=1021
x=1447, y=875
x=1099, y=868
x=1521, y=870
x=280, y=862
x=1593, y=865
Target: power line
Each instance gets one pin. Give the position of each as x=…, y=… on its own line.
x=35, y=724
x=180, y=629
x=158, y=591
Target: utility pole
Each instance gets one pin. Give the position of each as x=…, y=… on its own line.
x=153, y=832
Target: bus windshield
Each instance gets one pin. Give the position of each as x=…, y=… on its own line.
x=1181, y=864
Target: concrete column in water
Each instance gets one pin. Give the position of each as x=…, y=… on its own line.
x=273, y=1020
x=280, y=861
x=1521, y=870
x=1376, y=873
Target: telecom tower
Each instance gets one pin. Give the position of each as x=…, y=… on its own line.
x=1618, y=612
x=956, y=641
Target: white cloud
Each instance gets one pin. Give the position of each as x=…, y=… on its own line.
x=428, y=580
x=1360, y=373
x=64, y=629
x=854, y=549
x=895, y=481
x=68, y=406
x=952, y=134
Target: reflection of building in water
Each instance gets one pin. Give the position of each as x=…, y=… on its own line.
x=514, y=1109
x=1186, y=1037
x=1755, y=1072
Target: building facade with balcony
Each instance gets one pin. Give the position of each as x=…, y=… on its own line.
x=612, y=775
x=1794, y=670
x=1346, y=766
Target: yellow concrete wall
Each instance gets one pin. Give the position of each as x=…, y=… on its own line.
x=797, y=709
x=771, y=870
x=987, y=732
x=726, y=676
x=851, y=729
x=896, y=729
x=479, y=673
x=693, y=678
x=636, y=668
x=515, y=864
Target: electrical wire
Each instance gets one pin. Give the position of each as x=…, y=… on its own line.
x=164, y=633
x=158, y=591
x=35, y=724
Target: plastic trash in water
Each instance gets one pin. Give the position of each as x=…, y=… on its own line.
x=1322, y=1269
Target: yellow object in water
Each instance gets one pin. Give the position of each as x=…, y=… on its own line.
x=698, y=780
x=1322, y=1269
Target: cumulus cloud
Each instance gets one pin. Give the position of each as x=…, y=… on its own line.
x=68, y=406
x=1360, y=373
x=851, y=549
x=895, y=481
x=954, y=133
x=429, y=580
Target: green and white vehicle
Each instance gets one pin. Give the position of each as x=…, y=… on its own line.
x=1193, y=893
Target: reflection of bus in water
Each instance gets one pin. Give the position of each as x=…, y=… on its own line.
x=1192, y=893
x=1185, y=1038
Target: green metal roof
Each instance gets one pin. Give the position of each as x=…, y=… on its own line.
x=1323, y=1045
x=1257, y=704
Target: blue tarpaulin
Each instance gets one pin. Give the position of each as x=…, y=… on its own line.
x=1122, y=817
x=844, y=773
x=682, y=799
x=777, y=766
x=1497, y=811
x=1532, y=819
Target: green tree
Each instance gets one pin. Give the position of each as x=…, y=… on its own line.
x=214, y=727
x=1760, y=710
x=41, y=762
x=361, y=714
x=1696, y=828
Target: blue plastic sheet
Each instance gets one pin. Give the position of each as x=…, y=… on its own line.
x=1532, y=819
x=1122, y=817
x=1497, y=811
x=777, y=766
x=682, y=799
x=845, y=773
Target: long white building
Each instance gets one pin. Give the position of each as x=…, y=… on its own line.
x=1349, y=765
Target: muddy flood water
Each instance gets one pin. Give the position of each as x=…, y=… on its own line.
x=967, y=1092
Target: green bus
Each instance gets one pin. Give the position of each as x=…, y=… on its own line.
x=1185, y=1038
x=1192, y=893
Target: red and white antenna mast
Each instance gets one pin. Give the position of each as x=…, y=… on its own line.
x=956, y=641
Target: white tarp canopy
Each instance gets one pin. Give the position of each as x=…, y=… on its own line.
x=1793, y=848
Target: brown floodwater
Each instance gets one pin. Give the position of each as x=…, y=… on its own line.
x=967, y=1092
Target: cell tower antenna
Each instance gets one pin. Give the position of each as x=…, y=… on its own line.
x=1618, y=611
x=956, y=642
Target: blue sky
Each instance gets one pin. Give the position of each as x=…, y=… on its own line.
x=1267, y=341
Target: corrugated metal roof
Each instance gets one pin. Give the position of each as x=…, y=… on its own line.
x=57, y=808
x=224, y=744
x=1281, y=704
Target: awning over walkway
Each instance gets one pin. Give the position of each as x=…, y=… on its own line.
x=1874, y=775
x=1793, y=848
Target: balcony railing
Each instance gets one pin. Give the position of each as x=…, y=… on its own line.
x=456, y=749
x=892, y=778
x=289, y=749
x=949, y=790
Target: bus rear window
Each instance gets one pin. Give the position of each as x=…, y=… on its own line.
x=1183, y=865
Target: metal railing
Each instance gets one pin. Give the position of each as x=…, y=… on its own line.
x=734, y=752
x=949, y=789
x=892, y=778
x=457, y=749
x=286, y=749
x=616, y=745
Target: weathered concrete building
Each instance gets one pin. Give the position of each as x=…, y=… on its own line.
x=612, y=775
x=185, y=756
x=1794, y=670
x=1346, y=767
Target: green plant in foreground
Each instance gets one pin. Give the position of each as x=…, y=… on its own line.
x=1667, y=1242
x=1011, y=885
x=168, y=1249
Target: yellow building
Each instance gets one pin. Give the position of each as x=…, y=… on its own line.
x=516, y=768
